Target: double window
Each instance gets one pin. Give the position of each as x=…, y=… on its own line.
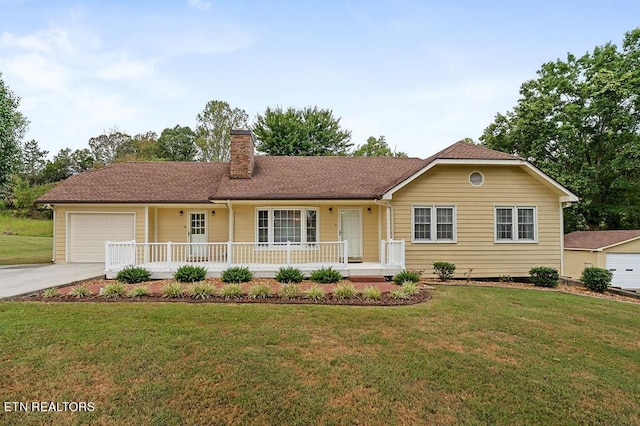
x=515, y=224
x=279, y=226
x=434, y=224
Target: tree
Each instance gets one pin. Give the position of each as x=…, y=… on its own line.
x=376, y=148
x=177, y=144
x=13, y=126
x=309, y=132
x=32, y=161
x=213, y=130
x=110, y=145
x=579, y=122
x=141, y=147
x=67, y=163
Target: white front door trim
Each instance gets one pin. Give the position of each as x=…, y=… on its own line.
x=351, y=230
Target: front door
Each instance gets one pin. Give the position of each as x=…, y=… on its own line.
x=197, y=234
x=351, y=230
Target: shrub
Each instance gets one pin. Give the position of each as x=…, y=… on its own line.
x=315, y=293
x=139, y=291
x=190, y=274
x=409, y=288
x=231, y=291
x=50, y=292
x=133, y=275
x=596, y=279
x=289, y=275
x=505, y=278
x=236, y=274
x=325, y=276
x=80, y=291
x=116, y=289
x=259, y=291
x=444, y=270
x=202, y=290
x=372, y=293
x=174, y=289
x=345, y=291
x=290, y=291
x=544, y=276
x=399, y=294
x=405, y=275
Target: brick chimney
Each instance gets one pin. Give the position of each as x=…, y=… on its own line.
x=241, y=154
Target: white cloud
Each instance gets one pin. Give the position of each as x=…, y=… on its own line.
x=200, y=4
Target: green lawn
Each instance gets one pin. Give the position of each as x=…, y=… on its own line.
x=470, y=355
x=25, y=240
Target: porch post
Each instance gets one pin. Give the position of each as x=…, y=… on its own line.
x=288, y=252
x=229, y=253
x=382, y=253
x=107, y=256
x=169, y=254
x=345, y=259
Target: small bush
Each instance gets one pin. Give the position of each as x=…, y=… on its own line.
x=140, y=291
x=505, y=278
x=325, y=276
x=371, y=293
x=190, y=274
x=80, y=291
x=231, y=291
x=289, y=275
x=596, y=279
x=290, y=291
x=398, y=294
x=444, y=270
x=405, y=275
x=173, y=289
x=345, y=291
x=315, y=293
x=50, y=292
x=116, y=289
x=544, y=276
x=133, y=275
x=259, y=291
x=202, y=290
x=236, y=274
x=410, y=288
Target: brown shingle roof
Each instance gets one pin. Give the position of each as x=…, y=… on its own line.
x=595, y=240
x=273, y=178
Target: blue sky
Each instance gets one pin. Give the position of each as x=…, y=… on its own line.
x=423, y=73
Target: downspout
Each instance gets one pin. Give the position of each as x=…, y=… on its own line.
x=146, y=225
x=155, y=225
x=53, y=258
x=231, y=220
x=561, y=239
x=388, y=225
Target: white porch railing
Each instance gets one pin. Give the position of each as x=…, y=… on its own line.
x=392, y=253
x=130, y=253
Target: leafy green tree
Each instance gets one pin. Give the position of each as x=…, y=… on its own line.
x=177, y=144
x=308, y=132
x=67, y=163
x=377, y=147
x=579, y=122
x=32, y=161
x=21, y=197
x=213, y=130
x=141, y=147
x=107, y=147
x=13, y=126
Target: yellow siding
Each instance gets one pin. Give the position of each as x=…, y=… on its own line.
x=61, y=218
x=630, y=247
x=475, y=247
x=173, y=227
x=576, y=260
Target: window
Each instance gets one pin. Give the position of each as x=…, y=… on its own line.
x=476, y=179
x=434, y=224
x=515, y=224
x=279, y=226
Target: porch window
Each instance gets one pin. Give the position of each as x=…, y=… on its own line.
x=279, y=226
x=515, y=224
x=434, y=224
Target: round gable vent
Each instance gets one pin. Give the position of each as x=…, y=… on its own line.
x=476, y=178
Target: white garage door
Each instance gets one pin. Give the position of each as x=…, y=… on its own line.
x=625, y=268
x=89, y=231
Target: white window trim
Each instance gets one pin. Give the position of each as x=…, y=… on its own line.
x=434, y=239
x=514, y=231
x=481, y=174
x=303, y=223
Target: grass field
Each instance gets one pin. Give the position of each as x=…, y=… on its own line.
x=25, y=240
x=469, y=356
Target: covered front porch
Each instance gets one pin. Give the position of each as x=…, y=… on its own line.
x=263, y=259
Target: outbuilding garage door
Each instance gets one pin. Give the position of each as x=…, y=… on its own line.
x=89, y=231
x=625, y=268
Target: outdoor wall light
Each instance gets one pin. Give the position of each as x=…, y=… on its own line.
x=369, y=210
x=213, y=212
x=181, y=213
x=330, y=210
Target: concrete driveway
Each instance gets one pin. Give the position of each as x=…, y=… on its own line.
x=21, y=279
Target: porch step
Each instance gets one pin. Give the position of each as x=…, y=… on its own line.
x=366, y=278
